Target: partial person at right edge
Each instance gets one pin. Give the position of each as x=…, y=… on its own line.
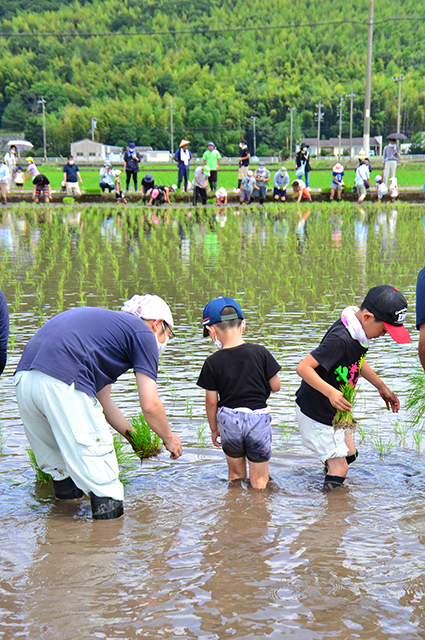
x=4, y=331
x=420, y=315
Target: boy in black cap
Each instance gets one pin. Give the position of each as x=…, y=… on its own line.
x=238, y=379
x=339, y=360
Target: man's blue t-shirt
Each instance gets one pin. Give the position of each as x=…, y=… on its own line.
x=420, y=298
x=91, y=347
x=71, y=172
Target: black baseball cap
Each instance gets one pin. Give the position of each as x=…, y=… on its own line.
x=390, y=307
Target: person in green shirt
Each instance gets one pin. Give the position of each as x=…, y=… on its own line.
x=212, y=159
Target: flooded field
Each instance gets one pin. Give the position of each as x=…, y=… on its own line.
x=194, y=555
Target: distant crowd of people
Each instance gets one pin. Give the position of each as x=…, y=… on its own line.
x=250, y=184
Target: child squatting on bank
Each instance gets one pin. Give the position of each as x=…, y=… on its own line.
x=337, y=361
x=238, y=379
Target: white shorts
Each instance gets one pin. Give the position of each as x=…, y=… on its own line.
x=321, y=438
x=68, y=433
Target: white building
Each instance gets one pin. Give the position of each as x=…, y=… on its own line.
x=91, y=151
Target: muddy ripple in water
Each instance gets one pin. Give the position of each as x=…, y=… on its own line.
x=195, y=556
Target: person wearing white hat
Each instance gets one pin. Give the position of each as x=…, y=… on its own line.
x=183, y=156
x=221, y=196
x=63, y=386
x=381, y=188
x=337, y=181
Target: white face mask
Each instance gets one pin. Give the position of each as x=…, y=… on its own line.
x=218, y=345
x=71, y=162
x=161, y=345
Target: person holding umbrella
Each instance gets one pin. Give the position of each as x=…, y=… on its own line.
x=389, y=159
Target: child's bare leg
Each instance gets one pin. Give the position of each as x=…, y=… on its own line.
x=332, y=194
x=258, y=474
x=237, y=467
x=337, y=467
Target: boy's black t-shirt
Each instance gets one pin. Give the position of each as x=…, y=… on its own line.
x=338, y=356
x=240, y=375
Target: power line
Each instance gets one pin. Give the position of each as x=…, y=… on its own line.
x=200, y=30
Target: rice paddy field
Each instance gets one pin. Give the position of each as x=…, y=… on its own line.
x=196, y=556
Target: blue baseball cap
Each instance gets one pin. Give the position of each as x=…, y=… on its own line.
x=212, y=312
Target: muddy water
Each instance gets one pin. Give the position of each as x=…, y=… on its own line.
x=195, y=556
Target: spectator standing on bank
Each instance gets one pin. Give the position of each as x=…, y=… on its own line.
x=19, y=178
x=262, y=176
x=106, y=176
x=243, y=162
x=337, y=183
x=10, y=161
x=280, y=182
x=200, y=184
x=131, y=165
x=4, y=174
x=362, y=183
x=302, y=161
x=212, y=159
x=183, y=156
x=389, y=160
x=71, y=175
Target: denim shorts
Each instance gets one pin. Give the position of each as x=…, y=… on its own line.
x=245, y=434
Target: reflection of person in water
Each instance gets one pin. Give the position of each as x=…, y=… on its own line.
x=301, y=229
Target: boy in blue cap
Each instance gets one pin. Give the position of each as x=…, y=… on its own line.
x=238, y=379
x=339, y=360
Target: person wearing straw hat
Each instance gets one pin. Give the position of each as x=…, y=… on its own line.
x=63, y=386
x=183, y=156
x=337, y=181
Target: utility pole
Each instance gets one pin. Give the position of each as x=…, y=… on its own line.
x=319, y=119
x=253, y=118
x=341, y=104
x=399, y=79
x=291, y=110
x=93, y=127
x=366, y=122
x=351, y=95
x=171, y=125
x=43, y=102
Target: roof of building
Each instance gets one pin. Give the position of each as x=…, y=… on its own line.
x=334, y=142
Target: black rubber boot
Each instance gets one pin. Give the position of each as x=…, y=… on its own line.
x=106, y=508
x=332, y=482
x=67, y=489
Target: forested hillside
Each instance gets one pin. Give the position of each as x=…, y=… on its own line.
x=221, y=61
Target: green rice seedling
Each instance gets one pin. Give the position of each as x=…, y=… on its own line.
x=382, y=447
x=286, y=431
x=200, y=433
x=361, y=432
x=189, y=409
x=125, y=458
x=415, y=404
x=40, y=475
x=417, y=437
x=401, y=430
x=3, y=439
x=145, y=443
x=68, y=200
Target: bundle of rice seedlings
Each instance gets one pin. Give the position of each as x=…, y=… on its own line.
x=344, y=419
x=415, y=404
x=145, y=443
x=40, y=475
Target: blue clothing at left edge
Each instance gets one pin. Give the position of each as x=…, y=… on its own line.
x=4, y=331
x=420, y=299
x=91, y=347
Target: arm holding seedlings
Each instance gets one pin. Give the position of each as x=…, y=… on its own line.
x=307, y=371
x=388, y=396
x=113, y=415
x=154, y=412
x=211, y=401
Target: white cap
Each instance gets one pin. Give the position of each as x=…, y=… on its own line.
x=221, y=193
x=378, y=178
x=149, y=307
